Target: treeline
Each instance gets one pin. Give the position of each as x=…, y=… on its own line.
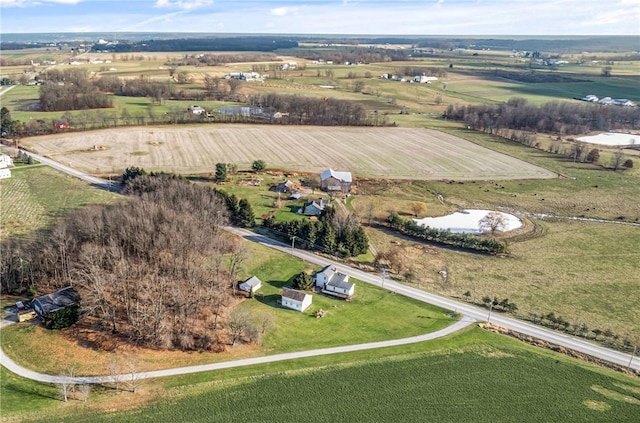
x=262, y=43
x=71, y=89
x=209, y=59
x=420, y=70
x=555, y=117
x=138, y=265
x=356, y=55
x=331, y=233
x=466, y=241
x=299, y=110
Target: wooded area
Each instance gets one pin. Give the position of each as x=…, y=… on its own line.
x=555, y=117
x=154, y=270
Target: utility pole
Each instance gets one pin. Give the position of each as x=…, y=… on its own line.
x=384, y=275
x=490, y=308
x=635, y=348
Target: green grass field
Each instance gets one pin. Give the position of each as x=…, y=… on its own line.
x=34, y=196
x=474, y=376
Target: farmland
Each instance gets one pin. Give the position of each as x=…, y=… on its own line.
x=452, y=379
x=34, y=196
x=395, y=153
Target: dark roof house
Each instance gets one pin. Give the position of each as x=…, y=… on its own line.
x=55, y=301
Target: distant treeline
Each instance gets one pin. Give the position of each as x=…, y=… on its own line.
x=355, y=55
x=220, y=59
x=298, y=110
x=263, y=43
x=554, y=117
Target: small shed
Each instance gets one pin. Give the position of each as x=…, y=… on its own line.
x=296, y=300
x=251, y=285
x=5, y=173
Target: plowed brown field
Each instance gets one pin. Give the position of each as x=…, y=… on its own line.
x=395, y=153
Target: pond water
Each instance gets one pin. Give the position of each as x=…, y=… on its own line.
x=612, y=138
x=467, y=221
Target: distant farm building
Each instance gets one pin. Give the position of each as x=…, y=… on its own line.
x=196, y=110
x=425, y=79
x=5, y=173
x=296, y=300
x=60, y=124
x=5, y=161
x=331, y=180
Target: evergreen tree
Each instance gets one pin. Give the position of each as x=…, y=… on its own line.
x=246, y=218
x=221, y=172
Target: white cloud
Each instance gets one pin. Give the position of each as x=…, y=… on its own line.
x=183, y=4
x=283, y=11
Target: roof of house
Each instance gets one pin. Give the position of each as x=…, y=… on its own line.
x=57, y=300
x=253, y=281
x=293, y=294
x=343, y=176
x=328, y=270
x=340, y=280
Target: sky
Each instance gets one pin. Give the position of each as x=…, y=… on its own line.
x=383, y=17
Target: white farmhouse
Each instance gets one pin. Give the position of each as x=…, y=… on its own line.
x=5, y=161
x=332, y=282
x=296, y=300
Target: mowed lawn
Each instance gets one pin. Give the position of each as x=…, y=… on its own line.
x=396, y=153
x=475, y=376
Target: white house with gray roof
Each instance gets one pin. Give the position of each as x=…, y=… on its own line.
x=332, y=282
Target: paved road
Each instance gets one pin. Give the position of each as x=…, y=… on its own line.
x=476, y=313
x=6, y=90
x=99, y=182
x=41, y=377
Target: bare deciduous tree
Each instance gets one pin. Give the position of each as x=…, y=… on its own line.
x=492, y=222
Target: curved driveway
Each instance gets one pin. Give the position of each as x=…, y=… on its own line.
x=41, y=377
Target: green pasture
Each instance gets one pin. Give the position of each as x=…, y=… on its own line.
x=36, y=195
x=373, y=314
x=472, y=376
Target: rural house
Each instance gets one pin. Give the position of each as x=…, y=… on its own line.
x=196, y=110
x=5, y=161
x=58, y=309
x=331, y=180
x=251, y=285
x=295, y=300
x=60, y=124
x=332, y=282
x=284, y=187
x=5, y=173
x=315, y=207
